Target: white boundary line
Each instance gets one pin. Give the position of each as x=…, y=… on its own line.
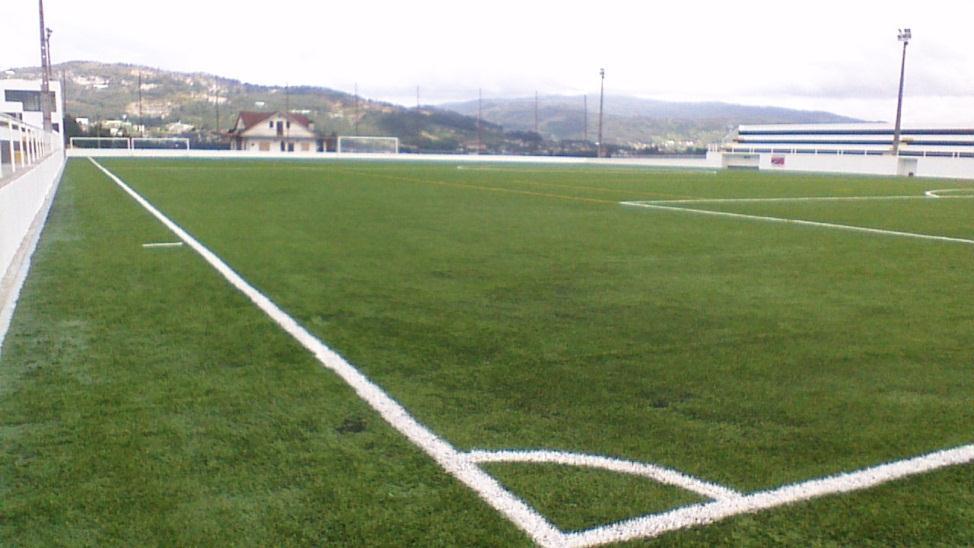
x=937, y=193
x=650, y=471
x=464, y=466
x=451, y=460
x=926, y=196
x=163, y=244
x=784, y=220
x=702, y=514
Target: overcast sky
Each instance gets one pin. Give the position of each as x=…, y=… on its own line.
x=832, y=55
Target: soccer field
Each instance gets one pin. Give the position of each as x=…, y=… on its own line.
x=559, y=355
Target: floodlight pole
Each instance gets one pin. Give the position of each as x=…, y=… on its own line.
x=585, y=117
x=45, y=70
x=356, y=109
x=480, y=116
x=905, y=35
x=536, y=111
x=601, y=152
x=141, y=116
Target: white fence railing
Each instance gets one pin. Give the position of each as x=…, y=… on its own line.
x=32, y=163
x=130, y=143
x=23, y=145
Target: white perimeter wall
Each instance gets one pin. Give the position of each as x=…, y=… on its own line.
x=857, y=164
x=711, y=162
x=832, y=163
x=22, y=196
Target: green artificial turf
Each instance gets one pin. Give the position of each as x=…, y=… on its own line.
x=576, y=499
x=144, y=402
x=521, y=307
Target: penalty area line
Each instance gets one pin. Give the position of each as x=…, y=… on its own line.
x=785, y=220
x=451, y=460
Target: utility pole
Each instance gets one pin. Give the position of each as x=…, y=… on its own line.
x=536, y=111
x=585, y=115
x=141, y=118
x=216, y=99
x=480, y=115
x=905, y=35
x=356, y=108
x=287, y=117
x=45, y=70
x=601, y=152
x=417, y=97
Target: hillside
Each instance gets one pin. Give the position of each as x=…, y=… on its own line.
x=100, y=92
x=176, y=102
x=630, y=120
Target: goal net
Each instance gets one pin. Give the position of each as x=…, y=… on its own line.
x=166, y=143
x=100, y=142
x=368, y=145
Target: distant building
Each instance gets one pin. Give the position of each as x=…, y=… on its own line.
x=864, y=148
x=273, y=131
x=22, y=100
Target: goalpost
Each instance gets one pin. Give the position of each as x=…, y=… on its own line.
x=100, y=142
x=368, y=145
x=168, y=143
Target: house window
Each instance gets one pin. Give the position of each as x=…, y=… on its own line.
x=289, y=124
x=270, y=124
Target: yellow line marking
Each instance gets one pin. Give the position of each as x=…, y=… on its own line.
x=485, y=188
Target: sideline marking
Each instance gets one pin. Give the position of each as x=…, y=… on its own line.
x=965, y=193
x=451, y=460
x=650, y=471
x=785, y=220
x=706, y=513
x=163, y=244
x=464, y=467
x=794, y=199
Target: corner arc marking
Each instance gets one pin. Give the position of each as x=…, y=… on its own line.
x=650, y=471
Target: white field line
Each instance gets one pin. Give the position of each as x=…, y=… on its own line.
x=702, y=514
x=451, y=460
x=966, y=193
x=794, y=199
x=784, y=220
x=656, y=473
x=163, y=244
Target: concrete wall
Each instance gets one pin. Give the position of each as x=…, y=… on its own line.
x=21, y=197
x=25, y=199
x=830, y=163
x=712, y=161
x=948, y=168
x=858, y=164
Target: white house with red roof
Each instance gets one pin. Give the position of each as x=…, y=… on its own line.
x=273, y=132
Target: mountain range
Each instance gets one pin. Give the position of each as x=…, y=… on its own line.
x=209, y=103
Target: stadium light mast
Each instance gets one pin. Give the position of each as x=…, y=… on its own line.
x=601, y=152
x=585, y=116
x=45, y=69
x=905, y=35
